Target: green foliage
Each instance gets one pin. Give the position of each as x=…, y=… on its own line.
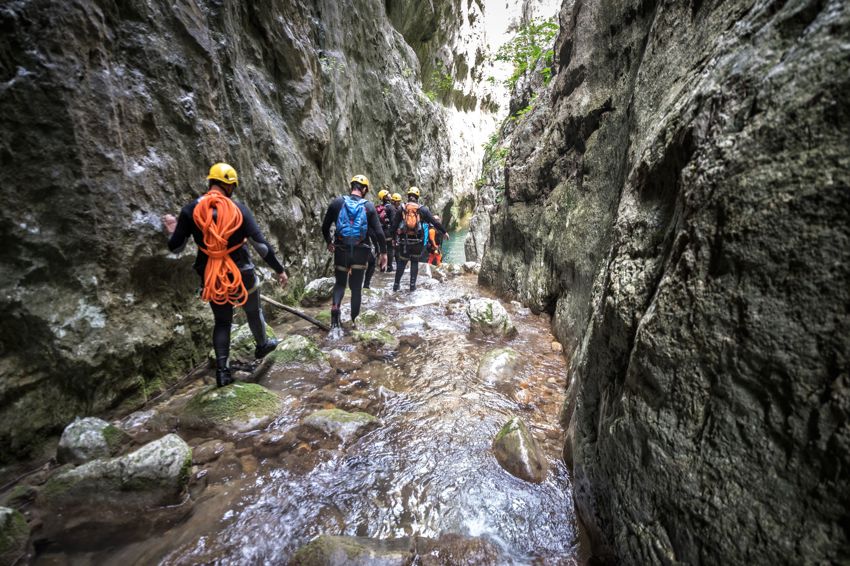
x=440, y=82
x=527, y=48
x=331, y=64
x=407, y=72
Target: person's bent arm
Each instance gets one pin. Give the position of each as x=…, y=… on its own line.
x=181, y=233
x=258, y=242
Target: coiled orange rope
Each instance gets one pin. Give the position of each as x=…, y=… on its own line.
x=218, y=218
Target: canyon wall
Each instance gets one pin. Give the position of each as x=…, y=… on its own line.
x=678, y=200
x=112, y=113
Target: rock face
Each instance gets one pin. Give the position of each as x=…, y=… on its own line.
x=111, y=116
x=678, y=199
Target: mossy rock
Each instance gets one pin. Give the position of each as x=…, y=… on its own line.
x=489, y=317
x=376, y=339
x=369, y=318
x=14, y=534
x=518, y=452
x=88, y=439
x=342, y=424
x=499, y=365
x=297, y=348
x=239, y=407
x=324, y=316
x=327, y=550
x=318, y=291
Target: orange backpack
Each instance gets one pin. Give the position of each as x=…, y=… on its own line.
x=411, y=218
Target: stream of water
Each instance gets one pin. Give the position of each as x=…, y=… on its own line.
x=427, y=470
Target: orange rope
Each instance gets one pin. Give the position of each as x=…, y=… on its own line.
x=218, y=218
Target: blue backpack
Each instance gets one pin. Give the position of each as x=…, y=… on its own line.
x=351, y=224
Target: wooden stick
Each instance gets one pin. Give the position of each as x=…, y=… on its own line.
x=296, y=312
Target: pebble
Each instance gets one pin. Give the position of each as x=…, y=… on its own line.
x=557, y=347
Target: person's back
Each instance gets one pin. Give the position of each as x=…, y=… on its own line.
x=407, y=226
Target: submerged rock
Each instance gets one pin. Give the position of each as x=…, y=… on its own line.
x=343, y=361
x=327, y=550
x=518, y=452
x=297, y=348
x=88, y=439
x=412, y=323
x=499, y=365
x=239, y=407
x=14, y=534
x=489, y=317
x=376, y=342
x=318, y=291
x=342, y=424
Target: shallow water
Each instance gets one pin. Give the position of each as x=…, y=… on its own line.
x=453, y=249
x=428, y=469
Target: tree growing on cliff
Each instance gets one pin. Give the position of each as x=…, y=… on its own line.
x=532, y=42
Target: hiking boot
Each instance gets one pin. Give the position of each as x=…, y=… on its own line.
x=412, y=288
x=223, y=377
x=396, y=288
x=266, y=348
x=335, y=318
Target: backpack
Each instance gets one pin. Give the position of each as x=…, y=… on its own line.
x=410, y=215
x=382, y=214
x=351, y=224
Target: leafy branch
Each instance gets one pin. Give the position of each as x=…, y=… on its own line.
x=531, y=44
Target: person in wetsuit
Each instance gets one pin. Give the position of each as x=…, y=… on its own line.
x=389, y=210
x=407, y=225
x=351, y=252
x=222, y=180
x=373, y=248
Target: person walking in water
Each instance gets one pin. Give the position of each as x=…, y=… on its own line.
x=354, y=218
x=222, y=229
x=407, y=225
x=435, y=245
x=386, y=212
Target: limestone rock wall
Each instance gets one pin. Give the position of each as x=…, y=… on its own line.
x=681, y=206
x=112, y=113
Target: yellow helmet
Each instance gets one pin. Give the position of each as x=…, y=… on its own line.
x=361, y=179
x=382, y=194
x=413, y=191
x=396, y=197
x=224, y=173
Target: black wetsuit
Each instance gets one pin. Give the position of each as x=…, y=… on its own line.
x=390, y=210
x=410, y=247
x=248, y=232
x=355, y=258
x=370, y=269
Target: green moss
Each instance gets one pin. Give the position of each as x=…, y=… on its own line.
x=14, y=533
x=235, y=402
x=59, y=484
x=114, y=437
x=297, y=348
x=324, y=316
x=376, y=338
x=509, y=427
x=369, y=318
x=18, y=495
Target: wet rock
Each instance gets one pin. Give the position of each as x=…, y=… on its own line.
x=105, y=496
x=440, y=274
x=342, y=424
x=88, y=439
x=296, y=348
x=272, y=443
x=318, y=291
x=355, y=551
x=239, y=407
x=376, y=342
x=242, y=343
x=471, y=267
x=489, y=317
x=345, y=362
x=453, y=548
x=499, y=365
x=210, y=451
x=518, y=452
x=369, y=317
x=14, y=534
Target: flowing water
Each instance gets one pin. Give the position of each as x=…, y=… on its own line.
x=427, y=470
x=453, y=248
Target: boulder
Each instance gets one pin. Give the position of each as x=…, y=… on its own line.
x=369, y=317
x=14, y=534
x=489, y=317
x=342, y=424
x=518, y=452
x=318, y=291
x=297, y=348
x=499, y=365
x=88, y=439
x=124, y=496
x=376, y=342
x=412, y=323
x=239, y=407
x=344, y=362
